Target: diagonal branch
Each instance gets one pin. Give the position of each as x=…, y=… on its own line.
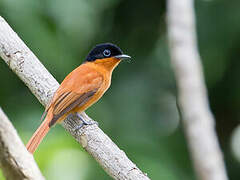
x=15, y=160
x=198, y=120
x=42, y=84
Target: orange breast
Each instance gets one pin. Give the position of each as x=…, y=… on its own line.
x=104, y=67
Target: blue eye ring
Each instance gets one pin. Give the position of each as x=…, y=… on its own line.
x=107, y=53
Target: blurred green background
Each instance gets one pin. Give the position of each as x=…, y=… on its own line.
x=139, y=111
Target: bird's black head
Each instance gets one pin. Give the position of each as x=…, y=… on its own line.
x=105, y=50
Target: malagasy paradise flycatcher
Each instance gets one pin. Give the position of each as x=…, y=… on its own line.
x=84, y=86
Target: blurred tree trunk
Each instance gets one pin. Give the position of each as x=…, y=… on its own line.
x=198, y=120
x=16, y=162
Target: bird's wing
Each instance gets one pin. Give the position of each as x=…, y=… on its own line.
x=76, y=90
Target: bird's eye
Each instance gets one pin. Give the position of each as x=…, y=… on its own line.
x=106, y=53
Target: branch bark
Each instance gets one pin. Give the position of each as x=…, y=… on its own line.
x=42, y=84
x=198, y=120
x=15, y=160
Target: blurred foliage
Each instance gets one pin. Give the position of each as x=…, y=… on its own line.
x=139, y=111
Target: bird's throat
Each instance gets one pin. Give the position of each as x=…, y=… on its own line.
x=108, y=63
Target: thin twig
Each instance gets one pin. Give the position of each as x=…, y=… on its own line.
x=198, y=120
x=15, y=160
x=42, y=84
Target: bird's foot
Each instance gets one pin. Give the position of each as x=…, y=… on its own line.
x=84, y=122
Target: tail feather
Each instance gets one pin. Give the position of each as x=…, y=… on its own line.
x=38, y=136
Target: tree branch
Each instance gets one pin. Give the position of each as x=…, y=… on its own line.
x=198, y=120
x=42, y=84
x=15, y=160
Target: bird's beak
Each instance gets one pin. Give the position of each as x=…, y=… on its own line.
x=122, y=56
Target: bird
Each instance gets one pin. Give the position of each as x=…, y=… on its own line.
x=80, y=89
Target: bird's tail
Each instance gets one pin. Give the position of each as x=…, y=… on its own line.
x=39, y=134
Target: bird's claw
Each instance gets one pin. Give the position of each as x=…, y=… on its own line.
x=84, y=122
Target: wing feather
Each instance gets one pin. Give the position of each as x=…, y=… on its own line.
x=78, y=102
